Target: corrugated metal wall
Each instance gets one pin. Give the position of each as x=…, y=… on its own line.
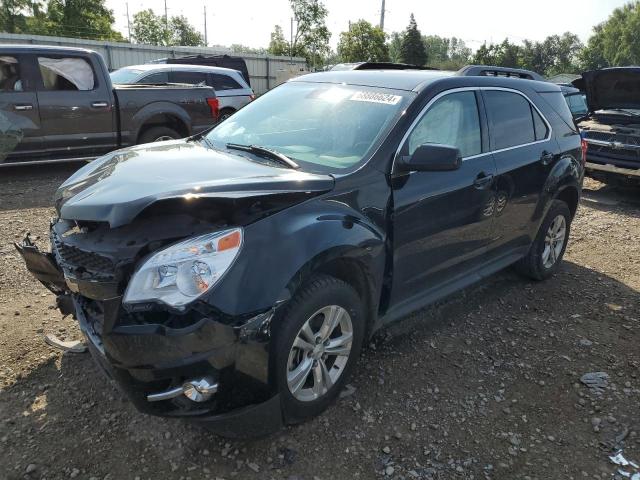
x=263, y=69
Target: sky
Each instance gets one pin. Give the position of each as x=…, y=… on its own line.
x=251, y=22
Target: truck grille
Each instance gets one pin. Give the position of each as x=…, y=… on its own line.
x=612, y=137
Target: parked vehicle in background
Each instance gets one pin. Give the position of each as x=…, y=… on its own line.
x=58, y=103
x=611, y=127
x=577, y=101
x=232, y=90
x=237, y=284
x=224, y=61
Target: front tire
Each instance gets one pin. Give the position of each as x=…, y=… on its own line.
x=546, y=252
x=317, y=346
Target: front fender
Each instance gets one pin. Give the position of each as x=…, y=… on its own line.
x=280, y=251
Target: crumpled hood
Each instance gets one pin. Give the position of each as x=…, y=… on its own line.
x=117, y=187
x=611, y=88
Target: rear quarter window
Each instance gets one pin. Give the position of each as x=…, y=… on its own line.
x=559, y=105
x=224, y=82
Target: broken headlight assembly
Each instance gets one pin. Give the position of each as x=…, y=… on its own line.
x=182, y=272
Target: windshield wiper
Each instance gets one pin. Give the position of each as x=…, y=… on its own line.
x=265, y=152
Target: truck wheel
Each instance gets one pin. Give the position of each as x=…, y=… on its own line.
x=224, y=114
x=547, y=250
x=317, y=345
x=158, y=134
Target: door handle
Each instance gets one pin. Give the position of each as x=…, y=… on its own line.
x=546, y=158
x=483, y=181
x=22, y=108
x=100, y=104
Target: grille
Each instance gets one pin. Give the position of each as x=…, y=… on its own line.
x=76, y=258
x=613, y=137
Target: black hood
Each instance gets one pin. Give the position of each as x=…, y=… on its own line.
x=120, y=185
x=611, y=88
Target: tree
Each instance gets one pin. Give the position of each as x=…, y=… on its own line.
x=395, y=46
x=363, y=43
x=81, y=18
x=149, y=28
x=152, y=29
x=278, y=45
x=183, y=33
x=239, y=48
x=446, y=53
x=311, y=38
x=412, y=50
x=13, y=18
x=615, y=42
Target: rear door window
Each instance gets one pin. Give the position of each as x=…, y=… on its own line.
x=452, y=120
x=513, y=120
x=66, y=73
x=224, y=82
x=191, y=78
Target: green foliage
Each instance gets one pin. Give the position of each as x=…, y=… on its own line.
x=616, y=41
x=363, y=42
x=66, y=18
x=239, y=48
x=183, y=33
x=412, y=49
x=556, y=54
x=395, y=46
x=13, y=15
x=446, y=53
x=149, y=28
x=278, y=44
x=311, y=36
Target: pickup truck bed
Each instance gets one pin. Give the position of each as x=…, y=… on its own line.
x=58, y=104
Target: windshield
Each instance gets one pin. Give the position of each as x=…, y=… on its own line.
x=124, y=75
x=322, y=127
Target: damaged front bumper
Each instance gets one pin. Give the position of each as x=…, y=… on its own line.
x=157, y=351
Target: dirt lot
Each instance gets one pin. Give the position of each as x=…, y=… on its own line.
x=486, y=385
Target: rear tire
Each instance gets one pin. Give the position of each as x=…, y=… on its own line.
x=546, y=252
x=158, y=134
x=308, y=378
x=224, y=114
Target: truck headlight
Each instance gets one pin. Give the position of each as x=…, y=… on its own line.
x=182, y=272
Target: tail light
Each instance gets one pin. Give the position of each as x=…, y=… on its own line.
x=214, y=105
x=252, y=97
x=585, y=147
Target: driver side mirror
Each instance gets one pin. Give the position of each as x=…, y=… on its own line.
x=432, y=157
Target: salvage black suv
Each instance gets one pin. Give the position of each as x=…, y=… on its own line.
x=233, y=277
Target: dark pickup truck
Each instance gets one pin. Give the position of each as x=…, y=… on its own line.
x=611, y=127
x=58, y=103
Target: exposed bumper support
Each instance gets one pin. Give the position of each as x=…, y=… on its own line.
x=629, y=172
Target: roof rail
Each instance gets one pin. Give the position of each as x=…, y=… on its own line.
x=491, y=71
x=378, y=66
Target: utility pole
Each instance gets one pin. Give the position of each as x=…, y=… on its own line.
x=382, y=17
x=206, y=43
x=291, y=42
x=166, y=16
x=128, y=23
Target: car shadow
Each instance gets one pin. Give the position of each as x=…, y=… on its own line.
x=32, y=186
x=66, y=410
x=608, y=199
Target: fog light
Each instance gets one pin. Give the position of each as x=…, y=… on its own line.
x=200, y=390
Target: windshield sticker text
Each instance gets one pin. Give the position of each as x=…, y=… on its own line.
x=375, y=97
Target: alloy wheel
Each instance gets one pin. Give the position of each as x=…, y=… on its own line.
x=320, y=353
x=554, y=241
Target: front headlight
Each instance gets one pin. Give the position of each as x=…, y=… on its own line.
x=184, y=271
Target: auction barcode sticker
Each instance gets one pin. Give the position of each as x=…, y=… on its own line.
x=375, y=97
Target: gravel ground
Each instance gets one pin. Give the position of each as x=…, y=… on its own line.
x=485, y=385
